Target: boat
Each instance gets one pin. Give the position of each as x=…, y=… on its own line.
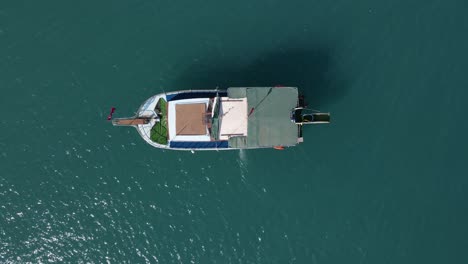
x=235, y=118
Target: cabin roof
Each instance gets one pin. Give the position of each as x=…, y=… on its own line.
x=186, y=120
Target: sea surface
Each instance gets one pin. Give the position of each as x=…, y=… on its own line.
x=386, y=182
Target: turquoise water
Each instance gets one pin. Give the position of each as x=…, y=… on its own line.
x=386, y=182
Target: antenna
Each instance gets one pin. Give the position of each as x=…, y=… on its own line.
x=164, y=91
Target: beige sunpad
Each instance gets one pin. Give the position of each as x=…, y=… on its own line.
x=234, y=117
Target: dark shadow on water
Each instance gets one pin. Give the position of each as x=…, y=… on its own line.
x=310, y=69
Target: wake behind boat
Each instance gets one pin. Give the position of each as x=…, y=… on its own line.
x=236, y=118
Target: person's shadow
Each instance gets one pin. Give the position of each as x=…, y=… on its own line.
x=310, y=70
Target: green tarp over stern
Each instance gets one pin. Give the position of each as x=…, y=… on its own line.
x=270, y=123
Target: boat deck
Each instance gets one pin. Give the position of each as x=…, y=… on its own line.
x=254, y=117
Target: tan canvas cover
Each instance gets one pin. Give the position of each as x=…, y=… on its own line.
x=190, y=119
